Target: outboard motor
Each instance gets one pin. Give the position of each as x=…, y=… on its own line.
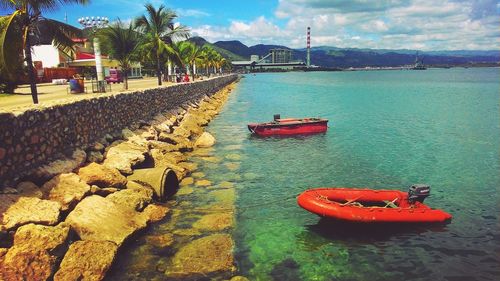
x=418, y=192
x=276, y=117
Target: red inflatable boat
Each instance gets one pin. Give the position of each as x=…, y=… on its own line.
x=367, y=205
x=289, y=126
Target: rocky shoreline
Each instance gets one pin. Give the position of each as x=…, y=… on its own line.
x=70, y=222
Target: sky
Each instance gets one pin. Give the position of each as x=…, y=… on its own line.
x=378, y=24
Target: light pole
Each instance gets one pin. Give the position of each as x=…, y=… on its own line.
x=94, y=24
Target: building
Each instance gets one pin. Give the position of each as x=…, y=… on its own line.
x=276, y=60
x=281, y=55
x=46, y=57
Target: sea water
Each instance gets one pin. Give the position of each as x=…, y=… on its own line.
x=387, y=130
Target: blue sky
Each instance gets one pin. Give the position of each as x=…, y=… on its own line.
x=389, y=24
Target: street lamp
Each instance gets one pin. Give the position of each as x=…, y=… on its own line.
x=94, y=23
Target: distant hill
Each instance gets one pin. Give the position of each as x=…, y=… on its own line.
x=327, y=56
x=227, y=54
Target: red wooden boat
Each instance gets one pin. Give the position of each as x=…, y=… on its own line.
x=367, y=205
x=289, y=126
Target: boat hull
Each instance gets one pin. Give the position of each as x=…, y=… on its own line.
x=339, y=203
x=287, y=127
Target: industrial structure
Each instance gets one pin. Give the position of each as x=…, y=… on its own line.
x=280, y=55
x=308, y=63
x=278, y=59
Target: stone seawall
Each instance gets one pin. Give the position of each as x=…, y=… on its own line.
x=36, y=136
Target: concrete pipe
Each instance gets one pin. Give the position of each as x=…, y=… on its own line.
x=163, y=180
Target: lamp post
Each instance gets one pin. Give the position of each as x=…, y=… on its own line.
x=94, y=23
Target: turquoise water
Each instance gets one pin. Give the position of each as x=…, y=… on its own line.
x=388, y=129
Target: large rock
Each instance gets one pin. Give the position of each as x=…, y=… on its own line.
x=35, y=253
x=67, y=189
x=125, y=155
x=95, y=156
x=204, y=256
x=155, y=213
x=16, y=211
x=161, y=241
x=99, y=219
x=135, y=199
x=214, y=222
x=29, y=189
x=192, y=124
x=102, y=176
x=205, y=140
x=87, y=260
x=66, y=165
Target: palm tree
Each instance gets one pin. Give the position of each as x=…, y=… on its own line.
x=208, y=55
x=185, y=55
x=121, y=43
x=159, y=32
x=220, y=61
x=23, y=23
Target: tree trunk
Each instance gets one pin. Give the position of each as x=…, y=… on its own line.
x=158, y=70
x=125, y=79
x=31, y=70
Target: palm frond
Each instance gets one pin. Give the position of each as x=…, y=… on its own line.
x=11, y=45
x=50, y=5
x=61, y=34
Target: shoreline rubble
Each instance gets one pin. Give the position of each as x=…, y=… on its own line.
x=90, y=208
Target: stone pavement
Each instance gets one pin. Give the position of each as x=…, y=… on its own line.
x=49, y=93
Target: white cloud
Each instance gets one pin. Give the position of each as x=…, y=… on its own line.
x=191, y=13
x=389, y=24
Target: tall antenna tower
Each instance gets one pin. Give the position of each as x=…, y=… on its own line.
x=308, y=46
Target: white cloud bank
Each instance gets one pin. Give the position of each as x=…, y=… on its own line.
x=388, y=24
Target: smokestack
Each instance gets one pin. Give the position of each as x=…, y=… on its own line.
x=308, y=46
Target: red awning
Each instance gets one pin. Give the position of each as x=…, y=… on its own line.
x=86, y=56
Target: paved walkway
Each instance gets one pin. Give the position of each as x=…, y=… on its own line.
x=48, y=93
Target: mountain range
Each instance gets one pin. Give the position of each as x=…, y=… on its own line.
x=326, y=56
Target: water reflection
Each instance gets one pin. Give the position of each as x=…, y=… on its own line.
x=366, y=233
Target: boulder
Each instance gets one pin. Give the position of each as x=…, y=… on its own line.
x=135, y=199
x=102, y=176
x=170, y=138
x=125, y=155
x=103, y=191
x=214, y=222
x=16, y=211
x=66, y=165
x=97, y=146
x=95, y=156
x=205, y=140
x=150, y=134
x=186, y=181
x=155, y=213
x=67, y=189
x=190, y=124
x=35, y=252
x=181, y=131
x=203, y=183
x=96, y=218
x=239, y=278
x=204, y=256
x=29, y=189
x=190, y=166
x=161, y=241
x=87, y=260
x=127, y=133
